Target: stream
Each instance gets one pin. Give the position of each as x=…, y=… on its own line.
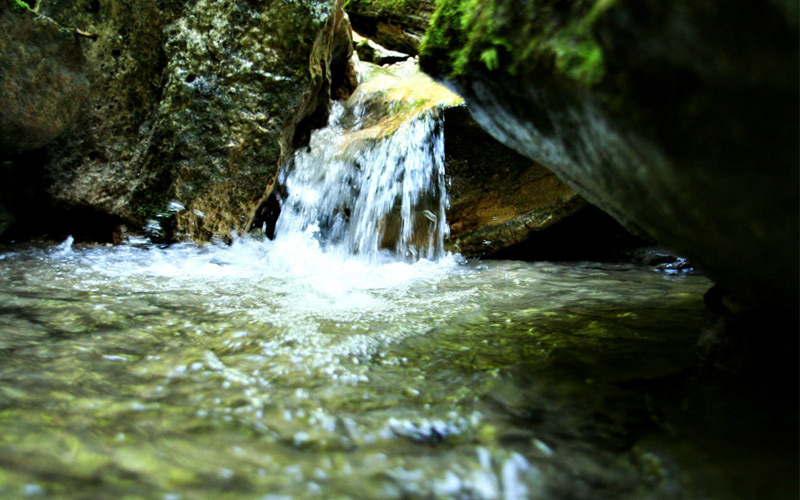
x=273, y=367
x=353, y=357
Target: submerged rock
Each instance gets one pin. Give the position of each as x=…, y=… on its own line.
x=679, y=119
x=195, y=103
x=43, y=79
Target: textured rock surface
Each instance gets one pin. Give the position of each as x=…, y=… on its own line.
x=395, y=24
x=678, y=118
x=194, y=102
x=42, y=79
x=498, y=198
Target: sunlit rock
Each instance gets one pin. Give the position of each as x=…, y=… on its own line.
x=369, y=51
x=396, y=25
x=498, y=198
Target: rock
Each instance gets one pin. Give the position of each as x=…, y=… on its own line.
x=679, y=118
x=396, y=25
x=195, y=103
x=43, y=79
x=498, y=198
x=371, y=52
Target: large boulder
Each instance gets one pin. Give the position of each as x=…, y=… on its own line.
x=498, y=198
x=192, y=105
x=43, y=79
x=677, y=118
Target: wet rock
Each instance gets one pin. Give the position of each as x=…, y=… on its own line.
x=678, y=119
x=371, y=52
x=498, y=198
x=42, y=78
x=398, y=26
x=195, y=103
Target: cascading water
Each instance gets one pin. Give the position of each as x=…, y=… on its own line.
x=370, y=187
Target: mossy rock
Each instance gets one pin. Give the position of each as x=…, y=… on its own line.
x=43, y=81
x=679, y=118
x=195, y=103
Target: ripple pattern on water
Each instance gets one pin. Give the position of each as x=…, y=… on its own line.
x=243, y=371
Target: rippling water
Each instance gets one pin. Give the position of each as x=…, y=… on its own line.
x=276, y=370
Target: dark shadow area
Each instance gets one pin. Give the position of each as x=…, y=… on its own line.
x=30, y=213
x=590, y=234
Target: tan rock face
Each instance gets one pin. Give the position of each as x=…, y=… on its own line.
x=498, y=197
x=43, y=79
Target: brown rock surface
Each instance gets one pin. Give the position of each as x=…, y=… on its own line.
x=396, y=25
x=498, y=198
x=42, y=79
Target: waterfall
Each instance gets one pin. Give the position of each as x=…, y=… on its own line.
x=372, y=183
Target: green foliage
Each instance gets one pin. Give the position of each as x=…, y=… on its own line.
x=380, y=5
x=511, y=37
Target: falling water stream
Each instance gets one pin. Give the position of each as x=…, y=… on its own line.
x=351, y=357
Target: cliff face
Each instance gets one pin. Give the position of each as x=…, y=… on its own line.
x=679, y=119
x=191, y=106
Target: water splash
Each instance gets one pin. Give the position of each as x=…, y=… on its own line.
x=372, y=183
x=65, y=247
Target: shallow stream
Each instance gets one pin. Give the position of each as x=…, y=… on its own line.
x=352, y=358
x=273, y=368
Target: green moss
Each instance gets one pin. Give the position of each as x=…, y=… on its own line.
x=379, y=5
x=20, y=5
x=506, y=37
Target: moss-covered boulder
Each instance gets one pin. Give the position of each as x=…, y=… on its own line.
x=192, y=105
x=678, y=118
x=43, y=79
x=395, y=24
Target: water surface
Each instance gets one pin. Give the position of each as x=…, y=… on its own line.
x=278, y=369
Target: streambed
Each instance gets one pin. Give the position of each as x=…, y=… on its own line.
x=278, y=370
